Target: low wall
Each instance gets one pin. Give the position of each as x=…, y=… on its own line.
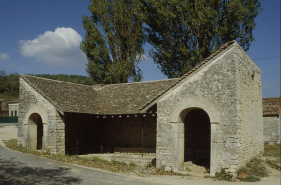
x=272, y=129
x=8, y=119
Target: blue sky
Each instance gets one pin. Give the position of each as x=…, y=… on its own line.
x=43, y=37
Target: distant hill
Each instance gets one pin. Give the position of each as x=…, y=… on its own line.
x=9, y=83
x=8, y=97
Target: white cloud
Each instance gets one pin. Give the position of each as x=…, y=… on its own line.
x=4, y=56
x=58, y=48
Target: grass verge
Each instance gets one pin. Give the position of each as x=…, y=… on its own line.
x=253, y=171
x=114, y=166
x=272, y=151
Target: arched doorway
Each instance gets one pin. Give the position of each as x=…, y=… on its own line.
x=35, y=132
x=178, y=116
x=197, y=138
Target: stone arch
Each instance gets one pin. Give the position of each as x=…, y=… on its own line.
x=190, y=103
x=36, y=119
x=177, y=120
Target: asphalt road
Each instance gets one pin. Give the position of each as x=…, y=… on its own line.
x=18, y=168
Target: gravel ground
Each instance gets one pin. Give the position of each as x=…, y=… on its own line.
x=10, y=132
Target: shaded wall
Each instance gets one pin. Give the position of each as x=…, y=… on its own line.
x=249, y=136
x=86, y=133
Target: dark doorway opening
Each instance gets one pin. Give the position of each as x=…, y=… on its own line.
x=197, y=133
x=39, y=133
x=35, y=132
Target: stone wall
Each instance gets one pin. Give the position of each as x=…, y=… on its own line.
x=53, y=122
x=250, y=121
x=272, y=129
x=87, y=133
x=217, y=84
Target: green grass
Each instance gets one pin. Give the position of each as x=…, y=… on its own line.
x=272, y=150
x=254, y=169
x=250, y=179
x=114, y=166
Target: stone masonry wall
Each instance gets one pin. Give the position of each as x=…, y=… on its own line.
x=86, y=133
x=250, y=122
x=53, y=136
x=272, y=129
x=216, y=83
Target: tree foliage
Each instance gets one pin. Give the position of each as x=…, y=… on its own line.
x=184, y=32
x=113, y=41
x=9, y=83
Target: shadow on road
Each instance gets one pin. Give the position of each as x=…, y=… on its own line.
x=18, y=173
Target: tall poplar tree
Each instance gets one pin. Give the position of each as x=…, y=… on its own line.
x=113, y=41
x=184, y=32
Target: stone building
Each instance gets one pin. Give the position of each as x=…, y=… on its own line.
x=4, y=111
x=271, y=119
x=211, y=114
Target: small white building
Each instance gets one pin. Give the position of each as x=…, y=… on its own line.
x=13, y=108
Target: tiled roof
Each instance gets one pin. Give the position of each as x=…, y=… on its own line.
x=271, y=106
x=125, y=98
x=130, y=97
x=67, y=97
x=194, y=70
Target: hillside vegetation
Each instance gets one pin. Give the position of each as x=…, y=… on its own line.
x=9, y=83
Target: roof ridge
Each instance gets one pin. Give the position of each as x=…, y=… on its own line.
x=130, y=83
x=55, y=80
x=195, y=68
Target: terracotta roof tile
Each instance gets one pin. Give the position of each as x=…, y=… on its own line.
x=271, y=106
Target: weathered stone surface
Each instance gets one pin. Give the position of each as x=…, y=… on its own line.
x=227, y=85
x=272, y=129
x=31, y=102
x=226, y=88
